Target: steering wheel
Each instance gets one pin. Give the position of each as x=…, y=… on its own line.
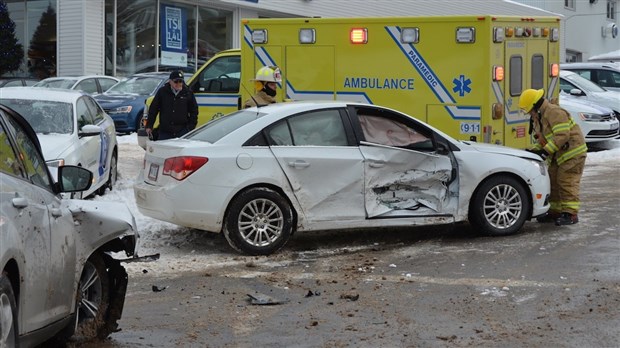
x=224, y=76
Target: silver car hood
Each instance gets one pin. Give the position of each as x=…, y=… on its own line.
x=98, y=222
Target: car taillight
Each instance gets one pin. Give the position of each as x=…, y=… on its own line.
x=182, y=167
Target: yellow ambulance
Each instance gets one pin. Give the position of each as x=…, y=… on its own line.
x=461, y=74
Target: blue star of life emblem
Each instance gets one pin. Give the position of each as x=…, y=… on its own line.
x=461, y=85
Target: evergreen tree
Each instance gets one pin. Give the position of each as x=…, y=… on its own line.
x=42, y=50
x=11, y=52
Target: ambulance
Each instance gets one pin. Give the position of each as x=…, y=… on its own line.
x=461, y=74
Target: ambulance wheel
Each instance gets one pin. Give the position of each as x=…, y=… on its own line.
x=259, y=221
x=499, y=206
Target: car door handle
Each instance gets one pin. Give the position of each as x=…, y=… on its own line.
x=56, y=212
x=376, y=164
x=299, y=164
x=20, y=202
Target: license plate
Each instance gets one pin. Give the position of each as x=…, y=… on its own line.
x=153, y=171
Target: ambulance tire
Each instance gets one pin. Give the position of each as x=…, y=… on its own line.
x=500, y=206
x=259, y=221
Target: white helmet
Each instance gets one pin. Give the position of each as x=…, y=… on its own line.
x=269, y=74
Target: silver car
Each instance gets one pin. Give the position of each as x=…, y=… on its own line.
x=58, y=277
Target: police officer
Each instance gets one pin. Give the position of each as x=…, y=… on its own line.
x=177, y=108
x=561, y=142
x=266, y=84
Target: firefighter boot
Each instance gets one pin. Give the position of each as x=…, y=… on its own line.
x=566, y=219
x=548, y=217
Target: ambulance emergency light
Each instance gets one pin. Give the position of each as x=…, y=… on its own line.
x=465, y=35
x=498, y=34
x=259, y=36
x=359, y=35
x=410, y=35
x=554, y=70
x=307, y=36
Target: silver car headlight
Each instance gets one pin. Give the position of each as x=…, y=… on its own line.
x=120, y=110
x=542, y=166
x=591, y=117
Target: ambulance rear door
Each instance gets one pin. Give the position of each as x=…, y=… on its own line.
x=517, y=70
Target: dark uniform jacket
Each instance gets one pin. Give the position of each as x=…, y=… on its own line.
x=175, y=111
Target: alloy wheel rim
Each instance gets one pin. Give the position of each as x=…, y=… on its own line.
x=90, y=294
x=260, y=222
x=6, y=322
x=502, y=206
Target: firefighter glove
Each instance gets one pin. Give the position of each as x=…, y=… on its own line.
x=542, y=153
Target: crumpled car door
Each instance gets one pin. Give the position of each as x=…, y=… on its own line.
x=400, y=182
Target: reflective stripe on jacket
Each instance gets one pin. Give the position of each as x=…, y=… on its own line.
x=564, y=139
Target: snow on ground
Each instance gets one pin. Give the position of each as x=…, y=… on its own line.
x=184, y=249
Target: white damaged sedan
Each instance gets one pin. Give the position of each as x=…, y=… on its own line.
x=260, y=174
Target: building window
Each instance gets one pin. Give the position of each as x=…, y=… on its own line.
x=34, y=28
x=611, y=9
x=569, y=4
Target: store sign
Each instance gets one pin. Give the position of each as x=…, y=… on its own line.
x=173, y=36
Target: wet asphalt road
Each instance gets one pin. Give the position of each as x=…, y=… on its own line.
x=428, y=287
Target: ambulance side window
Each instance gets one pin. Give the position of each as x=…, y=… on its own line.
x=538, y=71
x=516, y=75
x=221, y=76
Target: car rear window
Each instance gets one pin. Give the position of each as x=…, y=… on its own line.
x=219, y=128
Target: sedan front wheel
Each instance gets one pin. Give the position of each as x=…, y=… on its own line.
x=259, y=222
x=500, y=206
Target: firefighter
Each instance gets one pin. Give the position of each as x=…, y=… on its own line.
x=560, y=141
x=266, y=84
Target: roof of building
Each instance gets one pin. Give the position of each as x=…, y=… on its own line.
x=391, y=8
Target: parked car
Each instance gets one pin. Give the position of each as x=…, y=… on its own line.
x=124, y=102
x=259, y=174
x=72, y=128
x=604, y=74
x=573, y=84
x=58, y=275
x=91, y=84
x=17, y=81
x=597, y=122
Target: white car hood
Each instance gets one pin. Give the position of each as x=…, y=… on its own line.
x=54, y=145
x=503, y=150
x=610, y=99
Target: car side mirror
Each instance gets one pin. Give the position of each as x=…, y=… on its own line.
x=89, y=130
x=576, y=92
x=73, y=179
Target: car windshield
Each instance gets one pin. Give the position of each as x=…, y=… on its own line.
x=57, y=83
x=583, y=83
x=44, y=116
x=136, y=85
x=218, y=128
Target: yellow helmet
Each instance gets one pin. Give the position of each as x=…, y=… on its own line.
x=269, y=74
x=528, y=98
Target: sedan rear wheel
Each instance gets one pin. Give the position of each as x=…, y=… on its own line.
x=500, y=206
x=258, y=222
x=8, y=314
